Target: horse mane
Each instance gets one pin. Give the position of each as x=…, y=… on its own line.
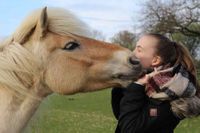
x=18, y=66
x=60, y=21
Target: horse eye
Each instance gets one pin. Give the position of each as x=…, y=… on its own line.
x=71, y=46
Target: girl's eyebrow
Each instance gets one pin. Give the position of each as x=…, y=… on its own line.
x=139, y=46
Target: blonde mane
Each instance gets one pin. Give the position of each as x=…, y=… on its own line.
x=18, y=66
x=60, y=21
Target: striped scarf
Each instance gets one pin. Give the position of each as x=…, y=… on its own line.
x=171, y=84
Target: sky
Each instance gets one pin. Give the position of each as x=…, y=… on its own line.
x=106, y=16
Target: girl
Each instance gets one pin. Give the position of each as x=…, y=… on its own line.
x=138, y=113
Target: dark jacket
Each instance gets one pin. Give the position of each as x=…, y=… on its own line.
x=136, y=113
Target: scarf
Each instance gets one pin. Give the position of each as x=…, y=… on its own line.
x=171, y=84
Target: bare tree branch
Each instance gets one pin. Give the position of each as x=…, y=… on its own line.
x=171, y=17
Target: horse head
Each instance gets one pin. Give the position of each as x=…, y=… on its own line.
x=67, y=60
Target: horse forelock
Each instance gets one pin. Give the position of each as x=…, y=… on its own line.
x=60, y=21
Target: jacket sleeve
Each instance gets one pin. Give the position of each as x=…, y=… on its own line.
x=132, y=108
x=117, y=95
x=133, y=112
x=129, y=108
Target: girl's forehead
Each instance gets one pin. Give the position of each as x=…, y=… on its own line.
x=147, y=42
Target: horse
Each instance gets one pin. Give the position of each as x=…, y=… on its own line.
x=51, y=52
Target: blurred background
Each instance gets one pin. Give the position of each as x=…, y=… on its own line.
x=117, y=21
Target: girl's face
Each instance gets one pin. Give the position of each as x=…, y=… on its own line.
x=145, y=51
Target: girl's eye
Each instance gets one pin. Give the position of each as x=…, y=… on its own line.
x=71, y=46
x=138, y=50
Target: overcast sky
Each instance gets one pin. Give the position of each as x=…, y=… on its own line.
x=107, y=16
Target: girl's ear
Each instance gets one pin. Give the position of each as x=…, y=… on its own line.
x=156, y=61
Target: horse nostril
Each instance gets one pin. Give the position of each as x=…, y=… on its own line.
x=134, y=61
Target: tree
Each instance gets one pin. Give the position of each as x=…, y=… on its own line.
x=192, y=43
x=180, y=19
x=173, y=16
x=97, y=35
x=124, y=38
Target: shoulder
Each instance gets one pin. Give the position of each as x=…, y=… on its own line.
x=135, y=87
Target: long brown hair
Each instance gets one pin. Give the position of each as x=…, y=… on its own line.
x=176, y=53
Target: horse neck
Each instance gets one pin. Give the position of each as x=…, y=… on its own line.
x=15, y=112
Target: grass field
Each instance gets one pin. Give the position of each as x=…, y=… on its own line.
x=85, y=113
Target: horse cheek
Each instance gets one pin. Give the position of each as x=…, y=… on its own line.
x=65, y=78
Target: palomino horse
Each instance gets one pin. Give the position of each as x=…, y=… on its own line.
x=49, y=53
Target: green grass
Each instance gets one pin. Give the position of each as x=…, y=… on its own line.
x=82, y=113
x=189, y=126
x=85, y=113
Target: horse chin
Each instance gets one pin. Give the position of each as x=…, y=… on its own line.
x=127, y=76
x=124, y=83
x=124, y=79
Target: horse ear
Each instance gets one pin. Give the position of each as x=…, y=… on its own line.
x=23, y=32
x=42, y=23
